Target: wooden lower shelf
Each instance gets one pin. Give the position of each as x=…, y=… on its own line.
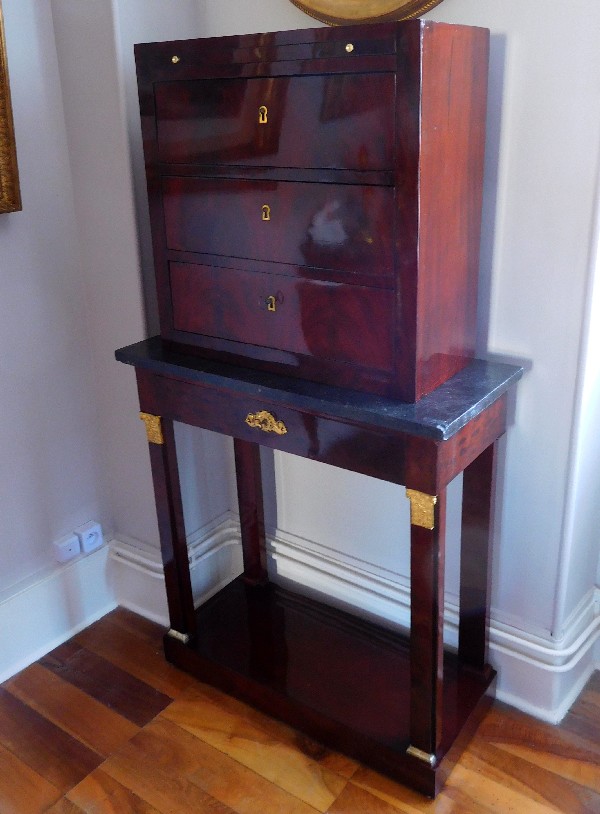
x=340, y=679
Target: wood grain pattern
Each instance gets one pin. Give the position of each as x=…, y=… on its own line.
x=208, y=752
x=21, y=786
x=257, y=746
x=346, y=120
x=93, y=723
x=102, y=794
x=337, y=226
x=42, y=745
x=232, y=305
x=370, y=164
x=110, y=685
x=135, y=650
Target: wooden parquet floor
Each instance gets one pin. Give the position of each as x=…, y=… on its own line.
x=103, y=724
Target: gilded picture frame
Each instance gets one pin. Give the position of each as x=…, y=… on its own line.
x=10, y=194
x=340, y=12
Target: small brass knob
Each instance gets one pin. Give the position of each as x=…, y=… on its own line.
x=349, y=48
x=175, y=59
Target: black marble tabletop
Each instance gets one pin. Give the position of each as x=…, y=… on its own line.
x=438, y=415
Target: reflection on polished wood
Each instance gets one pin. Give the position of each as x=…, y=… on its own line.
x=103, y=724
x=321, y=244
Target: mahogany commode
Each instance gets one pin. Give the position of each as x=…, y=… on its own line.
x=315, y=199
x=315, y=202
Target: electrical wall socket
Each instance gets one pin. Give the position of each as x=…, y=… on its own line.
x=66, y=548
x=90, y=536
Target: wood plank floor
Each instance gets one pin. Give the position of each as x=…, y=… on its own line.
x=103, y=724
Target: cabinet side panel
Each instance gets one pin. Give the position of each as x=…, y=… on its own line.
x=144, y=68
x=408, y=112
x=454, y=93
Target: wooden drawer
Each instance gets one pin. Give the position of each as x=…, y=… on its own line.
x=343, y=121
x=367, y=450
x=324, y=320
x=369, y=171
x=337, y=226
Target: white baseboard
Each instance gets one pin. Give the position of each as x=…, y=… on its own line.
x=215, y=558
x=51, y=608
x=535, y=674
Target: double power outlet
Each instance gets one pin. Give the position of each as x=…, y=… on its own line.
x=85, y=539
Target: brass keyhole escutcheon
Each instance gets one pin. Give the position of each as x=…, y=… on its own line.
x=266, y=212
x=271, y=303
x=263, y=114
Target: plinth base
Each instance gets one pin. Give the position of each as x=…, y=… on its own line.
x=339, y=679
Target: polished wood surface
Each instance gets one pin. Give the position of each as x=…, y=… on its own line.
x=250, y=503
x=346, y=119
x=475, y=572
x=169, y=510
x=369, y=165
x=428, y=674
x=326, y=226
x=410, y=707
x=454, y=95
x=363, y=446
x=282, y=53
x=325, y=670
x=303, y=316
x=67, y=748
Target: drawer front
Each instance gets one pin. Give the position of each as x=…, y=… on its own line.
x=343, y=121
x=335, y=226
x=276, y=425
x=324, y=320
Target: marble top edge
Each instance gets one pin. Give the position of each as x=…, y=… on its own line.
x=438, y=415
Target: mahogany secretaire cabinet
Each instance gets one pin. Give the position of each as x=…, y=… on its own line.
x=315, y=199
x=315, y=204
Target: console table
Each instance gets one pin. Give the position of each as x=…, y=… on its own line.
x=399, y=703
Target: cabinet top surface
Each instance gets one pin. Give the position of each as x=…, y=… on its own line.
x=335, y=46
x=439, y=415
x=371, y=31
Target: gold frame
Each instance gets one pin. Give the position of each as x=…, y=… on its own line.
x=340, y=12
x=10, y=193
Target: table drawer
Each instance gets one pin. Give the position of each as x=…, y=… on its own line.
x=367, y=450
x=341, y=121
x=336, y=226
x=324, y=320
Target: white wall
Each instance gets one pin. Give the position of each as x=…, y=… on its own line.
x=83, y=288
x=50, y=466
x=50, y=478
x=545, y=273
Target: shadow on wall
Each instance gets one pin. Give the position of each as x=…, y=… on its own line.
x=490, y=190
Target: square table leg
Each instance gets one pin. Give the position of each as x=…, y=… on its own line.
x=169, y=510
x=427, y=533
x=250, y=500
x=478, y=490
